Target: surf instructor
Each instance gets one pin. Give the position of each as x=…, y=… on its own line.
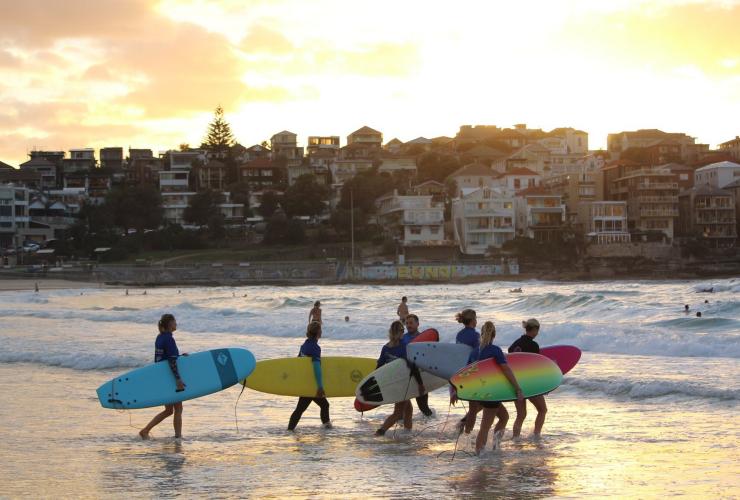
x=165, y=349
x=311, y=349
x=412, y=331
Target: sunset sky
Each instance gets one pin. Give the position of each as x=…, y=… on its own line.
x=77, y=73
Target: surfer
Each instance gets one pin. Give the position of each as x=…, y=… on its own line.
x=412, y=330
x=403, y=309
x=686, y=308
x=491, y=409
x=526, y=343
x=311, y=349
x=468, y=336
x=315, y=314
x=394, y=349
x=165, y=349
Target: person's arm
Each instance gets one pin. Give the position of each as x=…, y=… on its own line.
x=172, y=353
x=417, y=376
x=512, y=379
x=316, y=362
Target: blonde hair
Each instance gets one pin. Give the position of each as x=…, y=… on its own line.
x=487, y=333
x=465, y=317
x=395, y=332
x=313, y=329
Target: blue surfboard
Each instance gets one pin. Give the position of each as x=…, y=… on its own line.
x=154, y=385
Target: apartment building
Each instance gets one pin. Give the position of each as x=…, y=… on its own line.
x=708, y=214
x=483, y=218
x=604, y=222
x=731, y=147
x=540, y=214
x=717, y=175
x=411, y=220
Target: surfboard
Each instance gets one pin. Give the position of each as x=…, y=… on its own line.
x=154, y=385
x=442, y=360
x=484, y=380
x=565, y=356
x=295, y=377
x=428, y=335
x=393, y=382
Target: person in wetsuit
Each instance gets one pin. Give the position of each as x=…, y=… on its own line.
x=526, y=343
x=311, y=349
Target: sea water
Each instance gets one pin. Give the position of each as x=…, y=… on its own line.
x=650, y=410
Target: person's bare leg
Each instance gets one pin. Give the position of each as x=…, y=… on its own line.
x=521, y=414
x=144, y=433
x=177, y=420
x=473, y=410
x=485, y=426
x=398, y=414
x=541, y=406
x=503, y=419
x=408, y=413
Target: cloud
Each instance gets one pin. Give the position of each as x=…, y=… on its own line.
x=261, y=39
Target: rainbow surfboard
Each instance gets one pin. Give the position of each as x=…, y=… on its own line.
x=484, y=380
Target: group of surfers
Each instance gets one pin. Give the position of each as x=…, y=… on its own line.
x=400, y=333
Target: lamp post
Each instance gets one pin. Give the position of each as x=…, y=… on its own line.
x=352, y=230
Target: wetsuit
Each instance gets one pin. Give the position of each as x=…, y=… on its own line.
x=311, y=349
x=525, y=343
x=422, y=401
x=165, y=349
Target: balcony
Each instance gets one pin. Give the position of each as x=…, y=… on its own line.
x=656, y=199
x=645, y=186
x=665, y=212
x=432, y=221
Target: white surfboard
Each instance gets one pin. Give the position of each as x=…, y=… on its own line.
x=393, y=382
x=440, y=359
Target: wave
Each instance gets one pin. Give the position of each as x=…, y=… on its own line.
x=651, y=389
x=74, y=361
x=694, y=323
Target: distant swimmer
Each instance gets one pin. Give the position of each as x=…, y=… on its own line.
x=515, y=290
x=707, y=290
x=127, y=291
x=346, y=318
x=403, y=309
x=165, y=349
x=315, y=314
x=706, y=301
x=698, y=314
x=686, y=308
x=144, y=292
x=36, y=287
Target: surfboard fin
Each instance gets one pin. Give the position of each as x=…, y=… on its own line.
x=371, y=391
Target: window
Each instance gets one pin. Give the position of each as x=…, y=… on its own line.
x=415, y=230
x=434, y=229
x=6, y=210
x=517, y=184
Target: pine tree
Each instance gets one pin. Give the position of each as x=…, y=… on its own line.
x=219, y=132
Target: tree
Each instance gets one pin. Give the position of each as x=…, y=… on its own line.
x=240, y=194
x=203, y=207
x=270, y=203
x=365, y=188
x=219, y=138
x=137, y=207
x=436, y=167
x=305, y=197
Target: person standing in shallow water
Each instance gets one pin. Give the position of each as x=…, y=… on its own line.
x=403, y=310
x=165, y=349
x=526, y=343
x=412, y=331
x=315, y=314
x=311, y=349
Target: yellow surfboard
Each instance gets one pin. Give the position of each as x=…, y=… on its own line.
x=294, y=376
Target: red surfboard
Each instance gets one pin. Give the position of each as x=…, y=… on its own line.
x=428, y=335
x=565, y=356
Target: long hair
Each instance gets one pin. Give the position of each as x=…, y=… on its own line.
x=164, y=322
x=313, y=329
x=487, y=333
x=395, y=332
x=465, y=317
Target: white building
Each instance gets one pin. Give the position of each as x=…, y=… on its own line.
x=412, y=220
x=174, y=181
x=483, y=218
x=604, y=222
x=717, y=175
x=472, y=176
x=183, y=160
x=13, y=215
x=517, y=178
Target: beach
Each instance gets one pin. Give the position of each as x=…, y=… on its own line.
x=649, y=411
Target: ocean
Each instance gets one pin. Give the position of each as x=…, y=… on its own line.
x=650, y=410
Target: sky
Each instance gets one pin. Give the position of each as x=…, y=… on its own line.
x=149, y=74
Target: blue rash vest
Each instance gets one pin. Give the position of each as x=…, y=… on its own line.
x=165, y=347
x=489, y=351
x=388, y=354
x=409, y=336
x=311, y=349
x=468, y=336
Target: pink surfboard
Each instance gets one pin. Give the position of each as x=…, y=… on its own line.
x=565, y=356
x=428, y=335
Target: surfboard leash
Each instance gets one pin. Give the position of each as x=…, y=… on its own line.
x=236, y=418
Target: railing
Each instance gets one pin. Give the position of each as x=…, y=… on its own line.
x=657, y=185
x=714, y=220
x=657, y=199
x=659, y=213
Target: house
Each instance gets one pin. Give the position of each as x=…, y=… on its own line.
x=80, y=160
x=399, y=164
x=213, y=175
x=48, y=164
x=343, y=170
x=329, y=143
x=174, y=181
x=412, y=220
x=573, y=140
x=620, y=142
x=184, y=160
x=575, y=190
x=483, y=218
x=540, y=214
x=111, y=159
x=285, y=145
x=366, y=136
x=708, y=214
x=717, y=175
x=262, y=173
x=143, y=170
x=393, y=146
x=430, y=188
x=255, y=152
x=517, y=178
x=359, y=151
x=731, y=147
x=535, y=157
x=96, y=185
x=603, y=222
x=473, y=175
x=22, y=178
